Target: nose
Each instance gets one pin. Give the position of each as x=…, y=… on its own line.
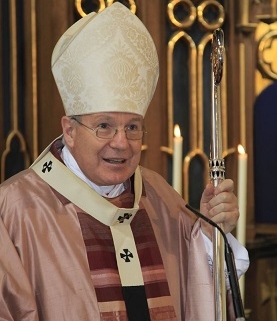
x=120, y=139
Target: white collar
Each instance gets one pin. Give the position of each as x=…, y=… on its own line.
x=106, y=191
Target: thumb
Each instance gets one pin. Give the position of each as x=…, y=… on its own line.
x=208, y=193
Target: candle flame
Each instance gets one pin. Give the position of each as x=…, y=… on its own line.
x=241, y=149
x=177, y=131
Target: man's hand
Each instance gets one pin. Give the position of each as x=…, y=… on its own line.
x=220, y=205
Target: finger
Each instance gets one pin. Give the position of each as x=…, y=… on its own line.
x=225, y=186
x=221, y=199
x=222, y=210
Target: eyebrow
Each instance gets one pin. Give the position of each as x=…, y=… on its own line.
x=109, y=118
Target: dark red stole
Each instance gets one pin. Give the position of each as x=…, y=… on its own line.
x=112, y=297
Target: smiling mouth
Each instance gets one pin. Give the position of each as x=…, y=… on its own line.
x=115, y=161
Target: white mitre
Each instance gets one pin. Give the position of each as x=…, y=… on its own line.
x=106, y=62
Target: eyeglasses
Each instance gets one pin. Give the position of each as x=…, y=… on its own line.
x=108, y=132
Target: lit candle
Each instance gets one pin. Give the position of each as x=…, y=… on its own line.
x=242, y=202
x=177, y=160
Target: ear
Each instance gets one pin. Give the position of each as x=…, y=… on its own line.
x=68, y=130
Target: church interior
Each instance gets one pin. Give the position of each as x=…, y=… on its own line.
x=179, y=120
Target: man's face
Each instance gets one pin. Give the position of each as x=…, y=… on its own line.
x=104, y=161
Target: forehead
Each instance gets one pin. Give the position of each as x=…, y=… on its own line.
x=114, y=117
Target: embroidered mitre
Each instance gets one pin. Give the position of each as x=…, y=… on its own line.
x=106, y=62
